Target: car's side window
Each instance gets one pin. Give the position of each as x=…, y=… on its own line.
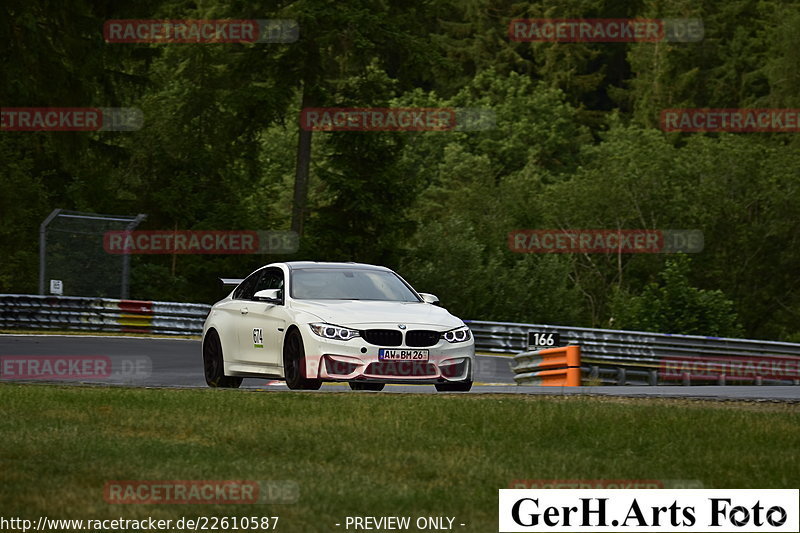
x=272, y=279
x=247, y=288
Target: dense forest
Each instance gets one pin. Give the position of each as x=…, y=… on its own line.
x=576, y=142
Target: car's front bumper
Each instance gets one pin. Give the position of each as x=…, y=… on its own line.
x=357, y=360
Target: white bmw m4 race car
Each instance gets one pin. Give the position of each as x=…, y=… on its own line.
x=308, y=322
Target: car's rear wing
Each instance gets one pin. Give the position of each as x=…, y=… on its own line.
x=230, y=281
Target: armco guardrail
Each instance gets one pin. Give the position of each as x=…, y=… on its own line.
x=618, y=357
x=607, y=356
x=21, y=311
x=554, y=367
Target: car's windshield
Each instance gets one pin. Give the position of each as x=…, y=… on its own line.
x=349, y=284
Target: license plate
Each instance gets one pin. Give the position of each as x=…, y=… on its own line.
x=386, y=354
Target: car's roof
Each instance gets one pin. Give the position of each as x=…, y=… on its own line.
x=301, y=265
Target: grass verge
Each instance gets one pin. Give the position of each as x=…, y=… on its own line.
x=368, y=454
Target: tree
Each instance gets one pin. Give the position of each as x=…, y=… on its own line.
x=674, y=306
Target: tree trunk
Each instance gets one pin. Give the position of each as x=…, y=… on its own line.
x=301, y=174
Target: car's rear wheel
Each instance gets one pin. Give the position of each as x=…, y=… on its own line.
x=213, y=364
x=456, y=386
x=294, y=363
x=356, y=385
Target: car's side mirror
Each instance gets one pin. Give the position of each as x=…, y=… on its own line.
x=429, y=298
x=272, y=296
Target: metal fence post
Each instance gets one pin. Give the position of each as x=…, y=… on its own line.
x=43, y=247
x=126, y=259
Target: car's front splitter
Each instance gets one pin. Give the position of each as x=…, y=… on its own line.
x=335, y=367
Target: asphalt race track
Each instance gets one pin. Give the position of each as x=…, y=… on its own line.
x=164, y=362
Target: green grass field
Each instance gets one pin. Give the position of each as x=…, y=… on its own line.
x=368, y=454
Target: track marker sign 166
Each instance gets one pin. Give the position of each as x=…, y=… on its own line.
x=537, y=339
x=657, y=510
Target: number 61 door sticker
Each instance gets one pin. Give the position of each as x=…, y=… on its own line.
x=258, y=338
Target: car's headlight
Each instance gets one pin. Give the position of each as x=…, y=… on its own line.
x=329, y=331
x=461, y=334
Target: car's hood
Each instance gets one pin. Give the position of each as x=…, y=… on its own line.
x=364, y=314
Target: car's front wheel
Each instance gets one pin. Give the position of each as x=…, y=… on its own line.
x=356, y=385
x=213, y=364
x=456, y=386
x=294, y=363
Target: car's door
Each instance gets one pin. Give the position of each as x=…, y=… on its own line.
x=264, y=323
x=233, y=311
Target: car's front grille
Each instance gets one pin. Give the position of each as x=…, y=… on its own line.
x=401, y=369
x=422, y=337
x=383, y=337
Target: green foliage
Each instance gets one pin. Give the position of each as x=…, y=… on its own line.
x=674, y=306
x=576, y=145
x=22, y=201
